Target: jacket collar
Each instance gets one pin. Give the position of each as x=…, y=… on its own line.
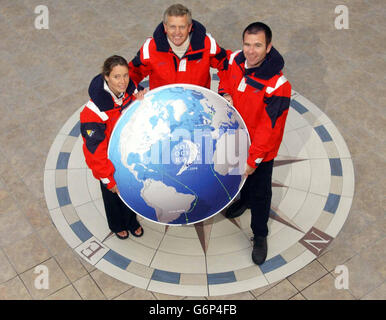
x=103, y=98
x=197, y=40
x=272, y=65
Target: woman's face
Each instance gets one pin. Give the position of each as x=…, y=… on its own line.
x=118, y=79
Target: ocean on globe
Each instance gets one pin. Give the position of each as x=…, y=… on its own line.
x=179, y=154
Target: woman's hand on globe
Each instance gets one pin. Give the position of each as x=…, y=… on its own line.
x=228, y=97
x=140, y=94
x=249, y=170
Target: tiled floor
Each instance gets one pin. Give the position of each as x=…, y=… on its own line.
x=339, y=77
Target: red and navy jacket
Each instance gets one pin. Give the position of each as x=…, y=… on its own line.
x=262, y=96
x=97, y=121
x=157, y=60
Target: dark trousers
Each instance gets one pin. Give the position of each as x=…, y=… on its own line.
x=119, y=216
x=257, y=195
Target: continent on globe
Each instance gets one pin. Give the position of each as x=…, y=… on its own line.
x=154, y=194
x=179, y=154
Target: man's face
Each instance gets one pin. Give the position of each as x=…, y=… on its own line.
x=177, y=29
x=255, y=49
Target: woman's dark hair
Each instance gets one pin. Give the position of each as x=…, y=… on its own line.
x=256, y=27
x=111, y=62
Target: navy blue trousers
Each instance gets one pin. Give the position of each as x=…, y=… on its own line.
x=119, y=216
x=257, y=195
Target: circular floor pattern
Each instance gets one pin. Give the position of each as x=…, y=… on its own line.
x=313, y=187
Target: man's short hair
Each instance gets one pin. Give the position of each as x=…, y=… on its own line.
x=257, y=27
x=177, y=10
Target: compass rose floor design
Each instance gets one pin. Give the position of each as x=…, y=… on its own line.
x=313, y=187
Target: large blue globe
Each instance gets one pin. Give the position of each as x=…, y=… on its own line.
x=179, y=154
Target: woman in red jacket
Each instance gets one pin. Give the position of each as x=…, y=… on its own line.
x=110, y=92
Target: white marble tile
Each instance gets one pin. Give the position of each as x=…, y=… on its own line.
x=244, y=220
x=324, y=220
x=150, y=238
x=68, y=145
x=50, y=189
x=312, y=142
x=320, y=176
x=238, y=286
x=306, y=216
x=319, y=115
x=70, y=214
x=336, y=186
x=292, y=202
x=283, y=240
x=223, y=228
x=228, y=243
x=122, y=275
x=290, y=267
x=93, y=221
x=64, y=228
x=185, y=231
x=301, y=175
x=77, y=186
x=92, y=250
x=100, y=207
x=282, y=174
x=179, y=263
x=292, y=252
x=340, y=216
x=278, y=193
x=294, y=145
x=230, y=261
x=339, y=141
x=331, y=149
x=178, y=290
x=77, y=160
x=131, y=250
x=295, y=119
x=274, y=227
x=177, y=245
x=348, y=178
x=248, y=273
x=93, y=186
x=288, y=125
x=52, y=157
x=283, y=150
x=154, y=226
x=71, y=122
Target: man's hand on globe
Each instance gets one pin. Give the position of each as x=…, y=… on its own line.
x=114, y=189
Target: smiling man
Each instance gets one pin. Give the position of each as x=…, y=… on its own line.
x=180, y=51
x=254, y=83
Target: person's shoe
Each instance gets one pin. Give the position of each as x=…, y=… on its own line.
x=259, y=252
x=135, y=234
x=122, y=237
x=236, y=210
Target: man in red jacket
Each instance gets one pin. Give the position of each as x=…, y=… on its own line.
x=180, y=51
x=254, y=83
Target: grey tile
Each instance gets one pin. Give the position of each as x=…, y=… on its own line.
x=27, y=252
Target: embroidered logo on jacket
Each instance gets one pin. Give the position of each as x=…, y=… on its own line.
x=90, y=132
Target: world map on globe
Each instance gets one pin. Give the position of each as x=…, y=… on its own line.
x=179, y=154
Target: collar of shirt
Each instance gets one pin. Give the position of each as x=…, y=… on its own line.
x=180, y=50
x=117, y=100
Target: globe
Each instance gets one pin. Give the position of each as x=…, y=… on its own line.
x=179, y=154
